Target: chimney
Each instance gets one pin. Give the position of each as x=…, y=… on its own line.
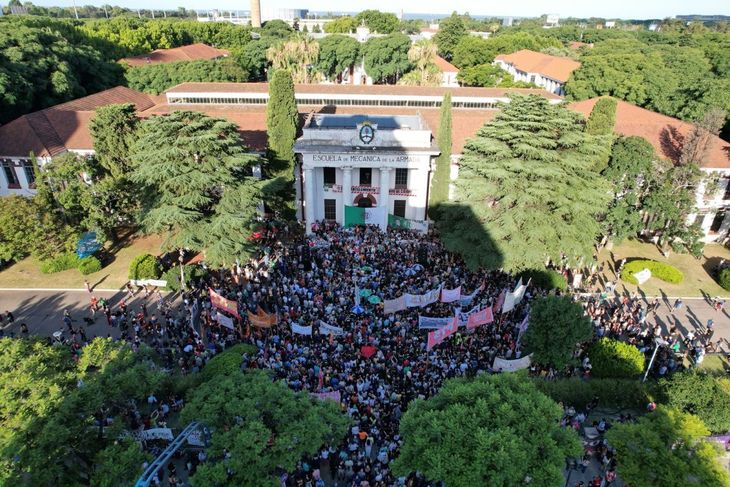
x=255, y=13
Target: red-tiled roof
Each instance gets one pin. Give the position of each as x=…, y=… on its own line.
x=360, y=90
x=445, y=66
x=557, y=68
x=63, y=127
x=665, y=133
x=192, y=52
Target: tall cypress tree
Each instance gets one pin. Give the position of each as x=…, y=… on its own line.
x=442, y=174
x=282, y=122
x=527, y=191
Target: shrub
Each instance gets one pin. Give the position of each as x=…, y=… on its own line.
x=723, y=278
x=660, y=270
x=701, y=394
x=59, y=263
x=617, y=393
x=615, y=359
x=89, y=265
x=192, y=273
x=546, y=279
x=144, y=266
x=227, y=362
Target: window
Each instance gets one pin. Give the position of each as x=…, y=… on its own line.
x=366, y=176
x=329, y=176
x=401, y=178
x=10, y=175
x=29, y=173
x=717, y=222
x=399, y=208
x=727, y=189
x=330, y=209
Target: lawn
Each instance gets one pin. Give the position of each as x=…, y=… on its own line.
x=697, y=279
x=716, y=363
x=25, y=274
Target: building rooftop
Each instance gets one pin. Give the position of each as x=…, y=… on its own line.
x=191, y=52
x=445, y=66
x=393, y=122
x=557, y=68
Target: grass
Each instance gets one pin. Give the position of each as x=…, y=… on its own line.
x=716, y=363
x=26, y=273
x=697, y=279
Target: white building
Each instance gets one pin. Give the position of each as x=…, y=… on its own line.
x=365, y=161
x=548, y=72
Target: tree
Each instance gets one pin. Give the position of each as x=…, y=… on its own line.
x=189, y=163
x=667, y=448
x=386, y=58
x=442, y=175
x=471, y=51
x=18, y=227
x=451, y=31
x=282, y=123
x=112, y=464
x=265, y=426
x=336, y=54
x=616, y=359
x=298, y=56
x=602, y=118
x=492, y=430
x=701, y=394
x=341, y=25
x=527, y=178
x=557, y=325
x=422, y=54
x=157, y=78
x=481, y=75
x=113, y=130
x=377, y=21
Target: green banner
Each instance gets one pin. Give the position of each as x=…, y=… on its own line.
x=398, y=221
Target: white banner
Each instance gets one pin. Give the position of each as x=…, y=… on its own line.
x=148, y=282
x=301, y=330
x=196, y=438
x=224, y=320
x=326, y=329
x=504, y=365
x=509, y=302
x=157, y=434
x=519, y=291
x=433, y=323
x=450, y=295
x=577, y=279
x=421, y=300
x=464, y=315
x=466, y=300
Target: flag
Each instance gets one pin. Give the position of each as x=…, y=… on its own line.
x=224, y=304
x=509, y=302
x=364, y=216
x=519, y=291
x=438, y=336
x=500, y=301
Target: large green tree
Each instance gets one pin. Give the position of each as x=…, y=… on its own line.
x=341, y=25
x=557, y=325
x=442, y=174
x=667, y=448
x=451, y=31
x=282, y=123
x=386, y=58
x=377, y=21
x=157, y=78
x=114, y=131
x=263, y=424
x=493, y=430
x=527, y=191
x=336, y=54
x=702, y=394
x=192, y=167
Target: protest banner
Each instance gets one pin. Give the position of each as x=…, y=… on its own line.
x=391, y=306
x=323, y=396
x=148, y=282
x=421, y=300
x=438, y=336
x=519, y=291
x=482, y=317
x=326, y=329
x=450, y=295
x=500, y=300
x=157, y=434
x=224, y=320
x=505, y=365
x=433, y=323
x=466, y=300
x=262, y=320
x=224, y=304
x=464, y=315
x=301, y=330
x=509, y=302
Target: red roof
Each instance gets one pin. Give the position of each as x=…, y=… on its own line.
x=191, y=52
x=665, y=133
x=445, y=66
x=62, y=127
x=557, y=68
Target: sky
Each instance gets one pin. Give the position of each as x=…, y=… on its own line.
x=627, y=9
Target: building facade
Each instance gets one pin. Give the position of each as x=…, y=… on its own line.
x=548, y=72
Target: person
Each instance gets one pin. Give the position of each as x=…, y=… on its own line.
x=678, y=304
x=719, y=304
x=24, y=330
x=710, y=329
x=87, y=286
x=10, y=317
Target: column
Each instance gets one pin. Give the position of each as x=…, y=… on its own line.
x=384, y=199
x=346, y=186
x=309, y=198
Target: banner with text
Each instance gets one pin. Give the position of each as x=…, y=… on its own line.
x=301, y=330
x=322, y=396
x=482, y=317
x=421, y=300
x=224, y=320
x=326, y=329
x=224, y=304
x=450, y=295
x=433, y=323
x=505, y=365
x=391, y=306
x=262, y=319
x=438, y=336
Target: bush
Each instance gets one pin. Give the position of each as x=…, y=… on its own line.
x=59, y=263
x=723, y=278
x=615, y=393
x=615, y=359
x=227, y=362
x=89, y=265
x=546, y=279
x=192, y=273
x=144, y=266
x=660, y=270
x=701, y=394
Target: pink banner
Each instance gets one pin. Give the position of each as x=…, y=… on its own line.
x=500, y=301
x=391, y=306
x=438, y=336
x=450, y=295
x=334, y=395
x=479, y=318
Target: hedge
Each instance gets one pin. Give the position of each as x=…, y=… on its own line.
x=59, y=263
x=723, y=278
x=614, y=393
x=615, y=359
x=660, y=270
x=192, y=273
x=546, y=279
x=144, y=266
x=89, y=265
x=227, y=362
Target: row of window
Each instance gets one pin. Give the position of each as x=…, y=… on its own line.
x=11, y=177
x=330, y=209
x=366, y=176
x=317, y=101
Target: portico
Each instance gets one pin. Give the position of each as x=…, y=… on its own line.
x=380, y=162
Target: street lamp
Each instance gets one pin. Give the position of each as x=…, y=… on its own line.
x=181, y=258
x=658, y=342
